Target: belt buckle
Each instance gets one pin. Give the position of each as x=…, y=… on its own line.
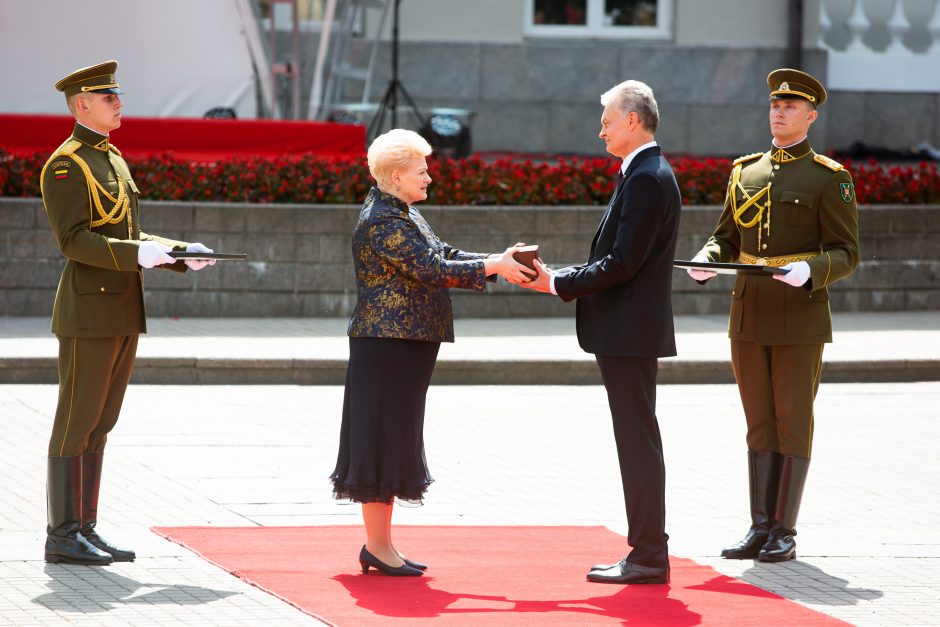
x=761, y=261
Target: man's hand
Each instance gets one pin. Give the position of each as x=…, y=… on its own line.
x=199, y=264
x=797, y=275
x=150, y=254
x=701, y=275
x=543, y=282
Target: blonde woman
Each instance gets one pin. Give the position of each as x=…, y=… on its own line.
x=402, y=314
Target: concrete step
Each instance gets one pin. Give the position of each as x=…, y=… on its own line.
x=867, y=347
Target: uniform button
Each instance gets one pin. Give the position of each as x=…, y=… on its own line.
x=763, y=247
x=776, y=166
x=797, y=201
x=102, y=289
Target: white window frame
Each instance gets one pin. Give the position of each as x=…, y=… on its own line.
x=594, y=28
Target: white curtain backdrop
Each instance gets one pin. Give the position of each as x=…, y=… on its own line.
x=177, y=58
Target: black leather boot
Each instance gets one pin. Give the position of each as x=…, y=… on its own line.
x=764, y=477
x=64, y=540
x=91, y=484
x=781, y=545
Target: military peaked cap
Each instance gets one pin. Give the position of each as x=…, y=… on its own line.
x=787, y=83
x=99, y=79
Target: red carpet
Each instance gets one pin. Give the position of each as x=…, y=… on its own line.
x=481, y=576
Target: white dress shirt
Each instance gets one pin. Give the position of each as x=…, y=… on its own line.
x=774, y=142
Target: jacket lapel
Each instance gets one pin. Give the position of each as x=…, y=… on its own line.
x=652, y=151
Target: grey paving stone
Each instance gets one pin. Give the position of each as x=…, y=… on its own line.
x=869, y=548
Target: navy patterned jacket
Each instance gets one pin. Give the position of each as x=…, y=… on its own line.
x=403, y=272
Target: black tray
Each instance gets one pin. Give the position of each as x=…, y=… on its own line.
x=728, y=268
x=179, y=254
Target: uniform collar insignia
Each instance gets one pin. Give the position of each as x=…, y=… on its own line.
x=91, y=138
x=790, y=153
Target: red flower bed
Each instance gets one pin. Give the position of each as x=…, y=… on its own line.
x=585, y=181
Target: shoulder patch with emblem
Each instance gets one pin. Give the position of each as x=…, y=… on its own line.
x=846, y=192
x=835, y=166
x=61, y=168
x=747, y=158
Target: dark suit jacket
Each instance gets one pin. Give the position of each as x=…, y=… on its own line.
x=624, y=291
x=403, y=272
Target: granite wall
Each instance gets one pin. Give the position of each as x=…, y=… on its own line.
x=543, y=96
x=301, y=264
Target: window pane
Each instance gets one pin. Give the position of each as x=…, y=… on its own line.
x=572, y=12
x=630, y=12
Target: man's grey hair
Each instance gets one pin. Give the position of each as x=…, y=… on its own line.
x=634, y=96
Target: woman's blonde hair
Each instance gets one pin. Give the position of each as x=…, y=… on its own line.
x=392, y=150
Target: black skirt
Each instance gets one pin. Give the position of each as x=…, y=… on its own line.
x=381, y=441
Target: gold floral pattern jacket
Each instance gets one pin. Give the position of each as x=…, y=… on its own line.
x=403, y=272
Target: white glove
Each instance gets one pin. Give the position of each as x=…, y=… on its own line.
x=199, y=264
x=150, y=254
x=797, y=275
x=701, y=275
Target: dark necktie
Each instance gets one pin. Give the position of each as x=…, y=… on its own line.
x=619, y=177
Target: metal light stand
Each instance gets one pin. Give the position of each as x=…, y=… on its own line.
x=389, y=103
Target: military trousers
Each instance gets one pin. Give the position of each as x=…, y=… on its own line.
x=778, y=385
x=93, y=376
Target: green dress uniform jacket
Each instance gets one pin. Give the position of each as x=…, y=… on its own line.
x=91, y=202
x=403, y=272
x=786, y=205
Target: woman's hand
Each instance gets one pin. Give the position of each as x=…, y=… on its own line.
x=505, y=266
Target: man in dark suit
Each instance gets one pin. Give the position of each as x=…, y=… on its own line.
x=624, y=317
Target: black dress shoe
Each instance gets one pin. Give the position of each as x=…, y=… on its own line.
x=118, y=554
x=366, y=560
x=780, y=547
x=749, y=547
x=74, y=549
x=628, y=572
x=417, y=565
x=604, y=566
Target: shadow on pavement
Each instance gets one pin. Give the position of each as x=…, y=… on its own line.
x=800, y=581
x=89, y=589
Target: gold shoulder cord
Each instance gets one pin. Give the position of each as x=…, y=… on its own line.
x=121, y=204
x=737, y=211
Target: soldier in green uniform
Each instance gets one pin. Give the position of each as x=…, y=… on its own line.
x=91, y=202
x=791, y=208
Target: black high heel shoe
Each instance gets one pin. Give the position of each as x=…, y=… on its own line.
x=366, y=560
x=417, y=565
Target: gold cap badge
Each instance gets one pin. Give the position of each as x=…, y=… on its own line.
x=794, y=84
